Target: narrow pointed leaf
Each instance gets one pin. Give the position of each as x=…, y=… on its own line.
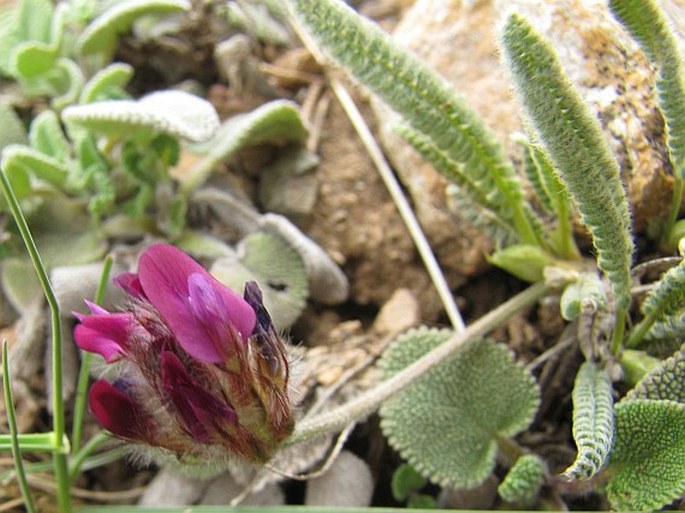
x=575, y=143
x=593, y=421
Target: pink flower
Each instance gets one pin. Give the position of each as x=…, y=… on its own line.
x=202, y=370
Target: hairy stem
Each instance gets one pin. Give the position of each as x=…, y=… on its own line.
x=364, y=405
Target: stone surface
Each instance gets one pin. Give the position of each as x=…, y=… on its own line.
x=458, y=38
x=348, y=483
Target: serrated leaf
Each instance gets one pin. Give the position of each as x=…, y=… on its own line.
x=446, y=423
x=107, y=84
x=575, y=143
x=279, y=120
x=276, y=267
x=523, y=482
x=667, y=381
x=100, y=35
x=587, y=291
x=171, y=112
x=648, y=460
x=72, y=80
x=647, y=24
x=593, y=421
x=667, y=334
x=425, y=100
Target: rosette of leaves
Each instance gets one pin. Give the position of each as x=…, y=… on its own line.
x=448, y=423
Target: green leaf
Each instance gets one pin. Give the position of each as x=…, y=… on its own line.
x=525, y=261
x=47, y=137
x=575, y=143
x=279, y=120
x=425, y=100
x=33, y=58
x=170, y=112
x=71, y=83
x=13, y=131
x=667, y=334
x=586, y=292
x=447, y=423
x=523, y=482
x=17, y=159
x=667, y=381
x=593, y=421
x=405, y=481
x=650, y=27
x=663, y=302
x=276, y=267
x=648, y=460
x=101, y=34
x=107, y=84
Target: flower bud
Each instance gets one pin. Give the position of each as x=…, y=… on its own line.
x=202, y=371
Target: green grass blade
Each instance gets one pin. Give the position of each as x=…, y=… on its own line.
x=12, y=421
x=575, y=143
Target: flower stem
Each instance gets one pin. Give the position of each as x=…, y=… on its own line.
x=12, y=421
x=84, y=371
x=364, y=405
x=58, y=421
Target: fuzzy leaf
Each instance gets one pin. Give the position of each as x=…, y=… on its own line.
x=585, y=292
x=665, y=382
x=72, y=80
x=279, y=120
x=101, y=34
x=667, y=333
x=425, y=100
x=33, y=58
x=446, y=423
x=107, y=84
x=648, y=460
x=25, y=21
x=649, y=26
x=13, y=131
x=574, y=141
x=276, y=267
x=524, y=480
x=593, y=421
x=47, y=137
x=18, y=158
x=171, y=112
x=668, y=297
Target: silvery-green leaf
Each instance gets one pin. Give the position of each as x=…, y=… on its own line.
x=667, y=381
x=13, y=131
x=447, y=423
x=171, y=112
x=108, y=83
x=647, y=466
x=100, y=36
x=523, y=482
x=587, y=291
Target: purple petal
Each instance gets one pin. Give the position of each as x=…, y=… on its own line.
x=202, y=313
x=117, y=412
x=131, y=284
x=104, y=333
x=198, y=408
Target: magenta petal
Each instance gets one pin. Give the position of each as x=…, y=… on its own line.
x=131, y=284
x=201, y=312
x=117, y=412
x=199, y=409
x=104, y=333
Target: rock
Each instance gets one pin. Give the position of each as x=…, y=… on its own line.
x=348, y=483
x=224, y=489
x=458, y=38
x=171, y=488
x=398, y=314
